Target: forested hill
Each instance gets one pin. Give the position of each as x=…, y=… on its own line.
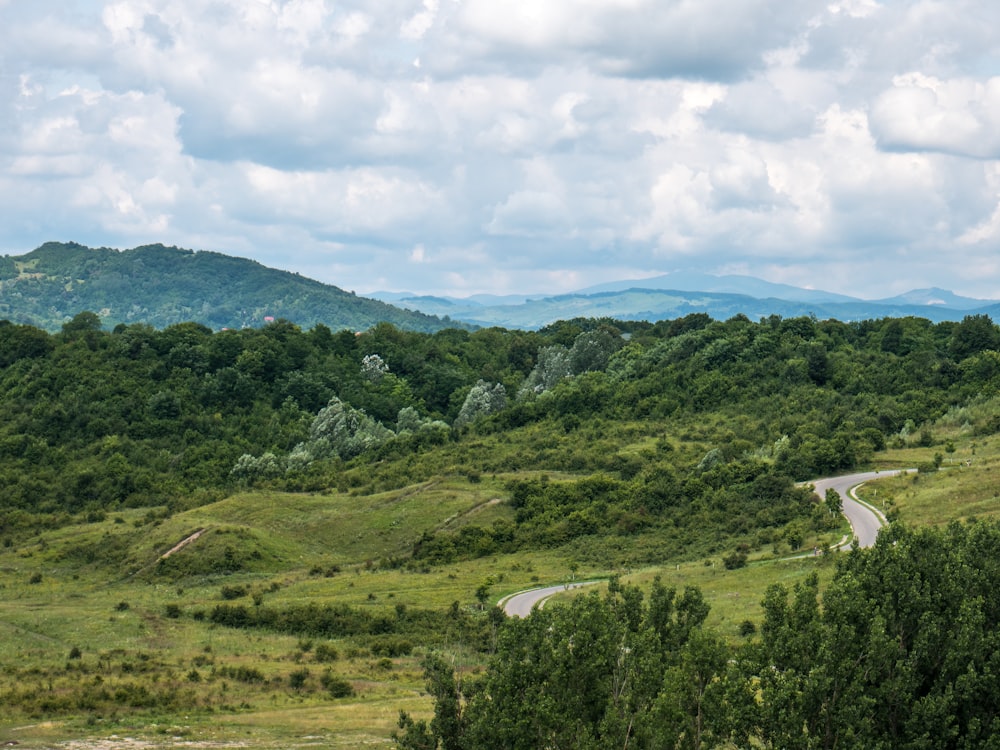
x=346, y=488
x=669, y=417
x=162, y=286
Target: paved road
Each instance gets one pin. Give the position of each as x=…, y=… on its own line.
x=521, y=603
x=864, y=520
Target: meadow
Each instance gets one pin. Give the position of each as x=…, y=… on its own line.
x=256, y=537
x=100, y=636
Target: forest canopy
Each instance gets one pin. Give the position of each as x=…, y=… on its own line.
x=692, y=427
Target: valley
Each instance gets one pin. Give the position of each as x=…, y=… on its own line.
x=281, y=538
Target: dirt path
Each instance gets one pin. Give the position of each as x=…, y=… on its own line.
x=465, y=514
x=182, y=544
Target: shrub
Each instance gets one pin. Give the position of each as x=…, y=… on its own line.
x=392, y=647
x=336, y=686
x=736, y=559
x=325, y=653
x=297, y=679
x=233, y=592
x=243, y=674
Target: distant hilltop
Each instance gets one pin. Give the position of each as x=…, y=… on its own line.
x=162, y=286
x=678, y=294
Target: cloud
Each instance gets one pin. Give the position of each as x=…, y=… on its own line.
x=923, y=113
x=711, y=39
x=441, y=146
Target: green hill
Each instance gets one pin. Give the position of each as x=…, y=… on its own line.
x=162, y=286
x=262, y=535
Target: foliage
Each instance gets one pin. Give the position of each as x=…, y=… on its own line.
x=483, y=399
x=690, y=424
x=163, y=286
x=599, y=672
x=901, y=651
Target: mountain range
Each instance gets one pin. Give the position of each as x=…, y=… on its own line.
x=677, y=294
x=162, y=286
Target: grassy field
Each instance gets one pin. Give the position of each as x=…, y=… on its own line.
x=101, y=637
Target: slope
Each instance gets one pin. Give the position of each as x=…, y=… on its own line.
x=162, y=286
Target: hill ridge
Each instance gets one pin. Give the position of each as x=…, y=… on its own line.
x=163, y=285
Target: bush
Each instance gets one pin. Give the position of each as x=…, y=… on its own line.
x=325, y=653
x=336, y=686
x=233, y=592
x=736, y=559
x=248, y=675
x=392, y=647
x=297, y=679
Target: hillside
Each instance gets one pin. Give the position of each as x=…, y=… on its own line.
x=161, y=286
x=267, y=535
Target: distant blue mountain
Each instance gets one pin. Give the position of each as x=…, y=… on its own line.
x=935, y=296
x=690, y=281
x=677, y=294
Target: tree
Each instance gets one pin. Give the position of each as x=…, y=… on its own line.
x=484, y=399
x=447, y=729
x=834, y=502
x=373, y=368
x=591, y=674
x=591, y=351
x=552, y=367
x=690, y=709
x=902, y=653
x=974, y=334
x=483, y=591
x=341, y=430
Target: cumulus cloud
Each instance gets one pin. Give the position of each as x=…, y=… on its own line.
x=458, y=147
x=923, y=113
x=711, y=39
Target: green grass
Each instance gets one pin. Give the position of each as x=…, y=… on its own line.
x=98, y=588
x=963, y=488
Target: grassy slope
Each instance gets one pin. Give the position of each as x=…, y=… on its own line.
x=88, y=572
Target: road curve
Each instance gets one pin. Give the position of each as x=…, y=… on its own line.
x=523, y=602
x=865, y=521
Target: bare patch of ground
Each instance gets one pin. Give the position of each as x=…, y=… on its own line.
x=182, y=544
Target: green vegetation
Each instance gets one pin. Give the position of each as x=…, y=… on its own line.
x=281, y=534
x=163, y=286
x=902, y=653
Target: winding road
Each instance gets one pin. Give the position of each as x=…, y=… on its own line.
x=521, y=603
x=865, y=522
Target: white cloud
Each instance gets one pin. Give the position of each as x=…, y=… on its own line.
x=418, y=25
x=536, y=146
x=923, y=113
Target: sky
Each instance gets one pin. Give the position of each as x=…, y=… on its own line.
x=514, y=146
